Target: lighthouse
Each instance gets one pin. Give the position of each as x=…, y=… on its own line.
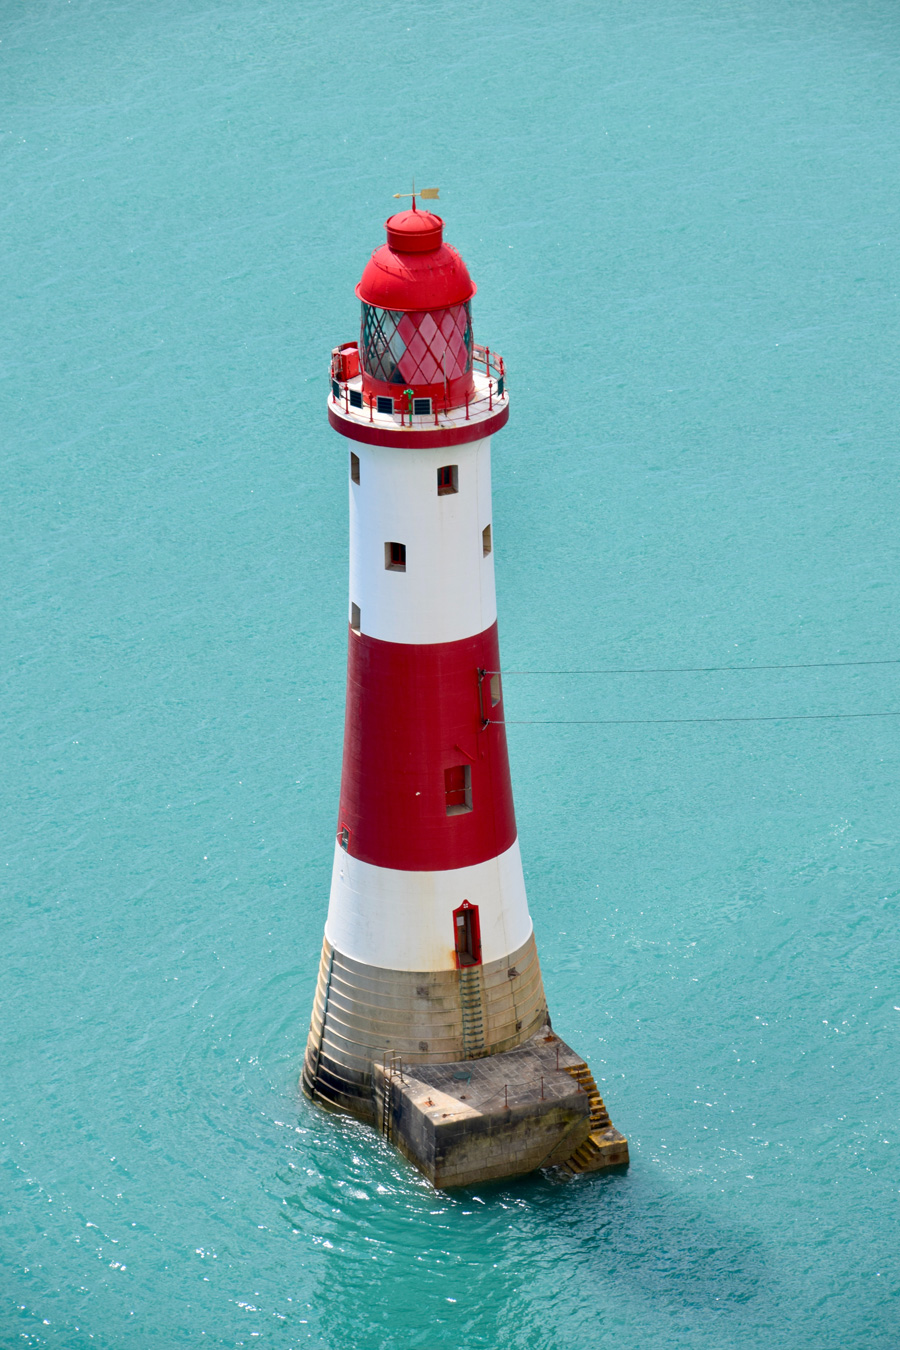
x=430, y=1018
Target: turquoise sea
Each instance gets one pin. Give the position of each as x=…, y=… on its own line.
x=682, y=217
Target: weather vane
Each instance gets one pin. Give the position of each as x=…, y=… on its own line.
x=427, y=194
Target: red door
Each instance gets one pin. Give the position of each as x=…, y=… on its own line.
x=467, y=935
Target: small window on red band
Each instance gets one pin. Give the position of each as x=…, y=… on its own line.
x=458, y=789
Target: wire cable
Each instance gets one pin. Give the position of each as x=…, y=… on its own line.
x=701, y=670
x=684, y=721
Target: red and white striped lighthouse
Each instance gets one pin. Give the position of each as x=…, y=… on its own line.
x=429, y=953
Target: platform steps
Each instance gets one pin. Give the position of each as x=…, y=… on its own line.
x=599, y=1149
x=471, y=999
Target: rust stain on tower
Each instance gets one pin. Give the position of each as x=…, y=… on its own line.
x=430, y=1019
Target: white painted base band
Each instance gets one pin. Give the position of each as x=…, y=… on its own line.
x=404, y=920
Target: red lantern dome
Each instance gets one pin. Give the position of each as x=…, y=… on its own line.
x=416, y=319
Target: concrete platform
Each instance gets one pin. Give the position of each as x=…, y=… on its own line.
x=478, y=1120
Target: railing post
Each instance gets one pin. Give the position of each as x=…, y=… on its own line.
x=467, y=407
x=490, y=395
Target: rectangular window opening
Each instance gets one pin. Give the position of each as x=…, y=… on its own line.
x=344, y=836
x=354, y=467
x=495, y=690
x=356, y=398
x=395, y=557
x=448, y=479
x=421, y=406
x=355, y=618
x=385, y=404
x=458, y=789
x=486, y=540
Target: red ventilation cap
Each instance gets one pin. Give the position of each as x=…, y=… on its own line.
x=415, y=269
x=414, y=232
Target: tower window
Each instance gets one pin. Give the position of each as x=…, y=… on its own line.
x=486, y=540
x=344, y=836
x=458, y=789
x=355, y=618
x=421, y=406
x=385, y=404
x=495, y=690
x=448, y=479
x=395, y=557
x=354, y=467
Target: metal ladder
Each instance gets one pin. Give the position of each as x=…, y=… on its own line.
x=472, y=1006
x=314, y=1066
x=392, y=1065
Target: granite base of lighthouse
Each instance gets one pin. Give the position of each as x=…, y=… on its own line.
x=360, y=1012
x=480, y=1120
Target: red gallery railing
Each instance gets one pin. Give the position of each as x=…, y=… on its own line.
x=346, y=390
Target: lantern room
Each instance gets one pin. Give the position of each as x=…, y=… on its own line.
x=416, y=328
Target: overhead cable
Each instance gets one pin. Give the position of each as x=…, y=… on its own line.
x=701, y=670
x=683, y=721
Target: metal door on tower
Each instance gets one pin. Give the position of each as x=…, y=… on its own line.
x=467, y=935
